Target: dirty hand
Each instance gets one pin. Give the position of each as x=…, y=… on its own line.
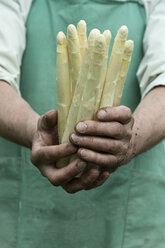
x=46, y=151
x=106, y=142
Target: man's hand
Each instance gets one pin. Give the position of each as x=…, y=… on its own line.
x=106, y=142
x=46, y=151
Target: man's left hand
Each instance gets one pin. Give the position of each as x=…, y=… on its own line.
x=108, y=141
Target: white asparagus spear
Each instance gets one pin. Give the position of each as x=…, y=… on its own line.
x=107, y=35
x=82, y=34
x=62, y=82
x=94, y=80
x=74, y=54
x=114, y=67
x=129, y=45
x=73, y=112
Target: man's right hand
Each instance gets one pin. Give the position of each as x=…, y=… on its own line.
x=18, y=123
x=46, y=151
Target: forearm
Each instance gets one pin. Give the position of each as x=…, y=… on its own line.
x=149, y=126
x=18, y=121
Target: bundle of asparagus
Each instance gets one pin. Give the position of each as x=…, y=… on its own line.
x=84, y=84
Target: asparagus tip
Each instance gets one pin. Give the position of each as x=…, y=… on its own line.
x=122, y=33
x=100, y=42
x=61, y=39
x=81, y=26
x=129, y=46
x=107, y=35
x=71, y=30
x=93, y=34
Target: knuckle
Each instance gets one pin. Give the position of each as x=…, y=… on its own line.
x=72, y=173
x=111, y=164
x=120, y=160
x=47, y=156
x=99, y=183
x=79, y=168
x=97, y=159
x=113, y=169
x=54, y=181
x=116, y=112
x=101, y=161
x=69, y=190
x=126, y=111
x=35, y=155
x=129, y=134
x=70, y=148
x=89, y=180
x=107, y=110
x=85, y=183
x=95, y=126
x=40, y=123
x=87, y=141
x=118, y=129
x=111, y=146
x=124, y=148
x=56, y=184
x=91, y=141
x=42, y=172
x=112, y=161
x=92, y=178
x=105, y=161
x=33, y=158
x=114, y=145
x=101, y=180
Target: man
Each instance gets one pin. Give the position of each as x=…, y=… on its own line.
x=114, y=140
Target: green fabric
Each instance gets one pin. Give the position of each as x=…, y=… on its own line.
x=128, y=211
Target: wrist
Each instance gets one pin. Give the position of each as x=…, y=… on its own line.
x=132, y=151
x=139, y=136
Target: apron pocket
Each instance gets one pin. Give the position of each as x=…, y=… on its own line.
x=145, y=220
x=9, y=200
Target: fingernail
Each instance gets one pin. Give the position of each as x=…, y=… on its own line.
x=71, y=148
x=93, y=177
x=103, y=177
x=49, y=119
x=101, y=114
x=81, y=127
x=81, y=165
x=84, y=153
x=74, y=138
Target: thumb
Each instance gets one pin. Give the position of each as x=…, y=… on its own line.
x=48, y=120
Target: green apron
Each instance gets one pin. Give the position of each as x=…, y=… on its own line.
x=128, y=210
